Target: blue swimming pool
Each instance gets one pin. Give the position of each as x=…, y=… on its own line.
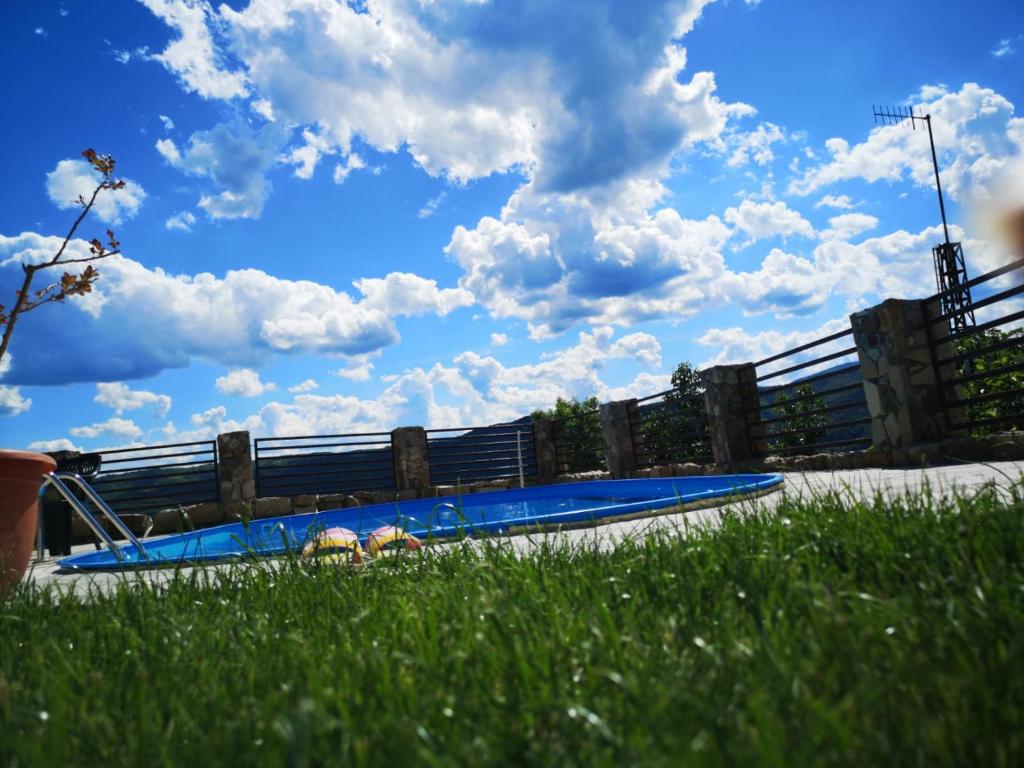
x=541, y=507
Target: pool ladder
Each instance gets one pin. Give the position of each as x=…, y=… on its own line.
x=60, y=480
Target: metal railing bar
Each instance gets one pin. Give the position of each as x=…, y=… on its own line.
x=211, y=443
x=981, y=328
x=804, y=347
x=819, y=393
x=264, y=440
x=981, y=303
x=1001, y=395
x=807, y=379
x=815, y=412
x=316, y=460
x=1011, y=419
x=829, y=444
x=1013, y=341
x=475, y=440
x=989, y=374
x=145, y=473
x=809, y=363
x=819, y=428
x=495, y=461
x=668, y=392
x=513, y=427
x=134, y=494
x=383, y=444
x=998, y=272
x=472, y=450
x=370, y=473
x=107, y=462
x=461, y=442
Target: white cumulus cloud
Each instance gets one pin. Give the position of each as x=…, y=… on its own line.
x=121, y=398
x=112, y=426
x=243, y=382
x=182, y=221
x=194, y=55
x=74, y=178
x=12, y=402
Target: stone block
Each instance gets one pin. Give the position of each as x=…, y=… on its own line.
x=303, y=510
x=545, y=448
x=923, y=455
x=617, y=419
x=330, y=501
x=409, y=451
x=304, y=500
x=271, y=506
x=234, y=467
x=496, y=485
x=1007, y=450
x=732, y=405
x=902, y=386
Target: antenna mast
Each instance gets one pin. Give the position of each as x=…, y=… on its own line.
x=950, y=270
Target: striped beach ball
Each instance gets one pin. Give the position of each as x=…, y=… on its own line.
x=388, y=538
x=334, y=545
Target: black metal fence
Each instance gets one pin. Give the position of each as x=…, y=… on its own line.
x=471, y=454
x=821, y=412
x=290, y=466
x=579, y=443
x=982, y=366
x=671, y=427
x=155, y=477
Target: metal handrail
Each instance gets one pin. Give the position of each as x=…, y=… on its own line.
x=56, y=479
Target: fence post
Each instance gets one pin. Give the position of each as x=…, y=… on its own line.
x=902, y=384
x=234, y=471
x=734, y=413
x=409, y=452
x=617, y=420
x=545, y=448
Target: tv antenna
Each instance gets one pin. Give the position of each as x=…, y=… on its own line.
x=950, y=270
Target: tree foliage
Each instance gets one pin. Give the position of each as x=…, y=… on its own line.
x=1009, y=409
x=69, y=284
x=580, y=432
x=676, y=429
x=798, y=408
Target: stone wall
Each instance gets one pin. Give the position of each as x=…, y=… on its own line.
x=901, y=382
x=733, y=411
x=234, y=471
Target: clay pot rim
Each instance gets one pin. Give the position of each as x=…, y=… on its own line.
x=28, y=456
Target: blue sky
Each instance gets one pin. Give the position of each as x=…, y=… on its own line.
x=349, y=217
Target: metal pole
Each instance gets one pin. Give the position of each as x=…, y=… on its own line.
x=938, y=184
x=519, y=456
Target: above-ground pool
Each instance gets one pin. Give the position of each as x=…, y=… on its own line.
x=446, y=517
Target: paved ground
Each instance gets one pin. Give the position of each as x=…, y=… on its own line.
x=864, y=482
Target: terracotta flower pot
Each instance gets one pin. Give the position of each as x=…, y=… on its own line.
x=21, y=476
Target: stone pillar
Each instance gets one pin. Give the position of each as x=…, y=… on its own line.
x=409, y=452
x=545, y=448
x=617, y=421
x=234, y=471
x=734, y=413
x=901, y=383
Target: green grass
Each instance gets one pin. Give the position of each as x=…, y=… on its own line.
x=831, y=632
